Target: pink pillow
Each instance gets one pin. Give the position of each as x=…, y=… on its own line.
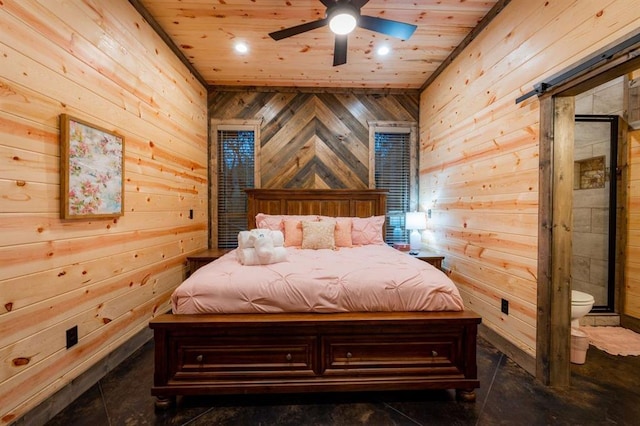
x=275, y=222
x=267, y=221
x=292, y=233
x=342, y=233
x=367, y=230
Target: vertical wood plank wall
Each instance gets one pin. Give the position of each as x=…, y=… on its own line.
x=632, y=272
x=101, y=62
x=313, y=139
x=479, y=150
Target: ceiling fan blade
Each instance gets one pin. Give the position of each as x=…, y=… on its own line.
x=397, y=29
x=340, y=50
x=358, y=3
x=355, y=3
x=298, y=29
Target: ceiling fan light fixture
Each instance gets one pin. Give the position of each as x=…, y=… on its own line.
x=343, y=20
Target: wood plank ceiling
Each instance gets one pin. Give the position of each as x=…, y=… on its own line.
x=205, y=32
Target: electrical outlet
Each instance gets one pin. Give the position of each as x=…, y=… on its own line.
x=429, y=213
x=72, y=336
x=191, y=214
x=505, y=307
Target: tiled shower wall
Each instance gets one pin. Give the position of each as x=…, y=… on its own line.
x=590, y=198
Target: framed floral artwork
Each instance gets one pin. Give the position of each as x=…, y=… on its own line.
x=92, y=170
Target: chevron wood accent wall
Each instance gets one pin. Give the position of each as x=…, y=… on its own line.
x=314, y=139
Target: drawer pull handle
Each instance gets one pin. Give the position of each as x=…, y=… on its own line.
x=434, y=353
x=349, y=355
x=199, y=358
x=289, y=357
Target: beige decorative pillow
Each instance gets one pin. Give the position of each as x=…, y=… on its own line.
x=318, y=235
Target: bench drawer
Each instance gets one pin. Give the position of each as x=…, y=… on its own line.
x=385, y=354
x=230, y=358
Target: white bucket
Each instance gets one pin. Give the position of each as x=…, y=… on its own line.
x=579, y=346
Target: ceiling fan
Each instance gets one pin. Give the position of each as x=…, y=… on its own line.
x=343, y=16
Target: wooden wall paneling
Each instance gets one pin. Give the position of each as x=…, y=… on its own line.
x=33, y=318
x=22, y=193
x=149, y=184
x=512, y=285
x=526, y=202
x=20, y=196
x=44, y=377
x=537, y=58
x=545, y=242
x=103, y=88
x=482, y=142
x=148, y=77
x=141, y=202
x=46, y=342
x=313, y=139
x=38, y=227
x=470, y=126
x=521, y=310
x=497, y=167
x=562, y=214
x=36, y=257
x=518, y=266
x=496, y=240
x=20, y=100
x=631, y=300
x=519, y=333
x=621, y=209
x=188, y=89
x=100, y=62
x=44, y=168
x=489, y=65
x=488, y=186
x=525, y=40
x=15, y=294
x=487, y=220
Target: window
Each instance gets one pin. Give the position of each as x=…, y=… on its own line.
x=395, y=169
x=235, y=170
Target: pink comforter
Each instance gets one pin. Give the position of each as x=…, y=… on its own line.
x=359, y=279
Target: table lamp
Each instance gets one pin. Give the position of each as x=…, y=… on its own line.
x=415, y=221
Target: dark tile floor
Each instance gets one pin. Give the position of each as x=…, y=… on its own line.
x=604, y=391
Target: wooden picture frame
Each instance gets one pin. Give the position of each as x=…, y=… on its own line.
x=91, y=169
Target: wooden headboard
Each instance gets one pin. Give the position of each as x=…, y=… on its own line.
x=326, y=202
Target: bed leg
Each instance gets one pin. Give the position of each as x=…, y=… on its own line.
x=165, y=402
x=466, y=395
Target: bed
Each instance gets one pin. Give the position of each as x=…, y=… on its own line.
x=335, y=349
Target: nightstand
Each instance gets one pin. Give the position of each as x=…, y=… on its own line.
x=201, y=258
x=430, y=257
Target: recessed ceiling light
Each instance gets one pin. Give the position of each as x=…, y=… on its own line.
x=241, y=47
x=383, y=50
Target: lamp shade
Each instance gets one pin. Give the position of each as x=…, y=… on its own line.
x=415, y=220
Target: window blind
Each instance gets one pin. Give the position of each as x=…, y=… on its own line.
x=235, y=174
x=392, y=172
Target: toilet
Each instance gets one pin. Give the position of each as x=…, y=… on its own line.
x=581, y=304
